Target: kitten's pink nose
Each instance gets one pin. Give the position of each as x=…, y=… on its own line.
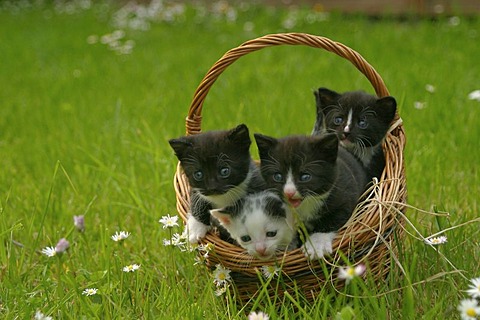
x=289, y=193
x=261, y=250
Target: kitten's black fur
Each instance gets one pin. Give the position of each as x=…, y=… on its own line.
x=370, y=120
x=219, y=169
x=329, y=179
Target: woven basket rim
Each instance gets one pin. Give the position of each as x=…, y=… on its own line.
x=194, y=116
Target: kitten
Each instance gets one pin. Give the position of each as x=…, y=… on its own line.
x=321, y=181
x=220, y=171
x=261, y=223
x=361, y=122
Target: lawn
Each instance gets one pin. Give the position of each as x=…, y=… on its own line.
x=90, y=92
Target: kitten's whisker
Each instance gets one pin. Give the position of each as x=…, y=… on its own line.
x=270, y=164
x=369, y=112
x=243, y=256
x=318, y=163
x=191, y=160
x=364, y=139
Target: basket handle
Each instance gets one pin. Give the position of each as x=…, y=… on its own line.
x=194, y=118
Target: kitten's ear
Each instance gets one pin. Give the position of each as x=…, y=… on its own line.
x=240, y=135
x=388, y=107
x=222, y=216
x=327, y=145
x=180, y=146
x=275, y=208
x=264, y=144
x=325, y=97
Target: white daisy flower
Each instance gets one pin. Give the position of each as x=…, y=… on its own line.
x=131, y=268
x=221, y=275
x=90, y=291
x=119, y=236
x=454, y=21
x=206, y=248
x=220, y=291
x=177, y=239
x=180, y=241
x=474, y=290
x=169, y=222
x=60, y=248
x=419, y=105
x=430, y=88
x=258, y=316
x=118, y=34
x=474, y=95
x=167, y=242
x=40, y=316
x=348, y=273
x=436, y=240
x=200, y=260
x=49, y=251
x=469, y=309
x=92, y=39
x=271, y=271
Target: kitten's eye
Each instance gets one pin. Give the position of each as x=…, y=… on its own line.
x=225, y=172
x=337, y=121
x=271, y=234
x=245, y=238
x=304, y=177
x=277, y=177
x=198, y=175
x=362, y=123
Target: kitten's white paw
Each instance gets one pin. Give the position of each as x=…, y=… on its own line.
x=196, y=230
x=318, y=244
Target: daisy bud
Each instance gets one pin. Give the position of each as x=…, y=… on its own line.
x=62, y=246
x=79, y=223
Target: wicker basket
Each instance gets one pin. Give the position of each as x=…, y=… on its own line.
x=369, y=236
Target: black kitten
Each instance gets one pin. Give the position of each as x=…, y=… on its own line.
x=321, y=181
x=220, y=171
x=361, y=122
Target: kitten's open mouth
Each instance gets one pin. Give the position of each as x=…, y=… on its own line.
x=344, y=140
x=295, y=202
x=264, y=257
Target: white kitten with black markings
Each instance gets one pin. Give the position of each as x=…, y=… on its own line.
x=261, y=223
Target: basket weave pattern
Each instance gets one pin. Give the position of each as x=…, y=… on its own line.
x=368, y=236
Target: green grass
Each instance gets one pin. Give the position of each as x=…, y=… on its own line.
x=84, y=130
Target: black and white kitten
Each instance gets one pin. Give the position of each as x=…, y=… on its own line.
x=262, y=223
x=361, y=122
x=220, y=171
x=321, y=181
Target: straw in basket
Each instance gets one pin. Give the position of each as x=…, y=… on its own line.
x=368, y=237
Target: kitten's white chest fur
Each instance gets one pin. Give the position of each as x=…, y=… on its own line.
x=309, y=205
x=364, y=154
x=318, y=244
